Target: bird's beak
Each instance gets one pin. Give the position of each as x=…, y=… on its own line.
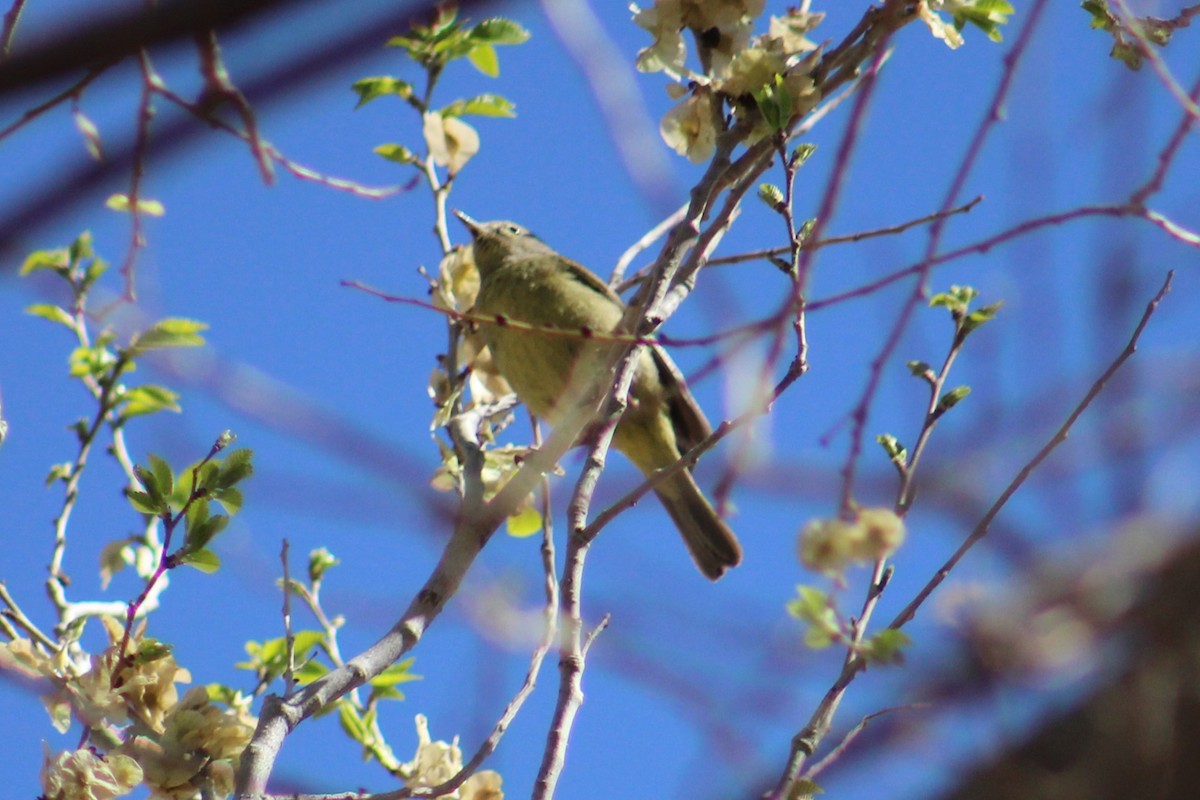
x=471, y=224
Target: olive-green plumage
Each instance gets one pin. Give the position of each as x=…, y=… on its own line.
x=523, y=280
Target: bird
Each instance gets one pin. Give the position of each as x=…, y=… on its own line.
x=562, y=312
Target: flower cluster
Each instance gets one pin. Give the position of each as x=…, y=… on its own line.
x=763, y=79
x=181, y=748
x=436, y=762
x=197, y=749
x=831, y=545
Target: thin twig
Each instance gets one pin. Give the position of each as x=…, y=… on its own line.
x=11, y=18
x=833, y=755
x=289, y=671
x=1059, y=437
x=69, y=93
x=860, y=414
x=850, y=238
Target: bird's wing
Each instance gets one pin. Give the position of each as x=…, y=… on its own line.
x=689, y=422
x=591, y=280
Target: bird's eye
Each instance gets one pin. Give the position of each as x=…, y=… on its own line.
x=513, y=230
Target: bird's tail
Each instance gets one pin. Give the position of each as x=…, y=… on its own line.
x=713, y=546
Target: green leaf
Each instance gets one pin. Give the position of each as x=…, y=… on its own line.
x=97, y=268
x=775, y=103
x=170, y=332
x=352, y=724
x=895, y=450
x=482, y=105
x=230, y=500
x=59, y=472
x=383, y=686
x=772, y=195
x=956, y=300
x=499, y=30
x=987, y=15
x=151, y=650
x=398, y=153
x=91, y=134
x=198, y=513
x=150, y=483
x=144, y=503
x=381, y=86
x=811, y=604
x=310, y=671
x=886, y=647
x=813, y=607
x=320, y=561
x=120, y=202
x=81, y=248
x=58, y=260
x=952, y=398
x=204, y=560
x=920, y=369
x=397, y=673
x=817, y=637
x=51, y=312
x=802, y=154
x=804, y=789
x=149, y=399
x=1101, y=16
x=483, y=57
x=163, y=476
x=979, y=316
x=200, y=533
x=524, y=523
x=235, y=468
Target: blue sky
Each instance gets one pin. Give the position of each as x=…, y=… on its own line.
x=695, y=689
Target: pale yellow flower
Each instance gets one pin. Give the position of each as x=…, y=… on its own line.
x=883, y=533
x=83, y=775
x=689, y=128
x=827, y=545
x=451, y=141
x=663, y=21
x=940, y=28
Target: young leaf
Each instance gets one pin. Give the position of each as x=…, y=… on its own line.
x=170, y=332
x=320, y=561
x=81, y=248
x=120, y=202
x=51, y=312
x=236, y=467
x=499, y=31
x=147, y=400
x=524, y=523
x=483, y=105
x=896, y=452
x=163, y=477
x=144, y=503
x=886, y=647
x=91, y=134
x=952, y=398
x=397, y=152
x=483, y=57
x=230, y=500
x=801, y=154
x=150, y=483
x=381, y=86
x=201, y=533
x=979, y=316
x=772, y=195
x=58, y=260
x=58, y=472
x=206, y=561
